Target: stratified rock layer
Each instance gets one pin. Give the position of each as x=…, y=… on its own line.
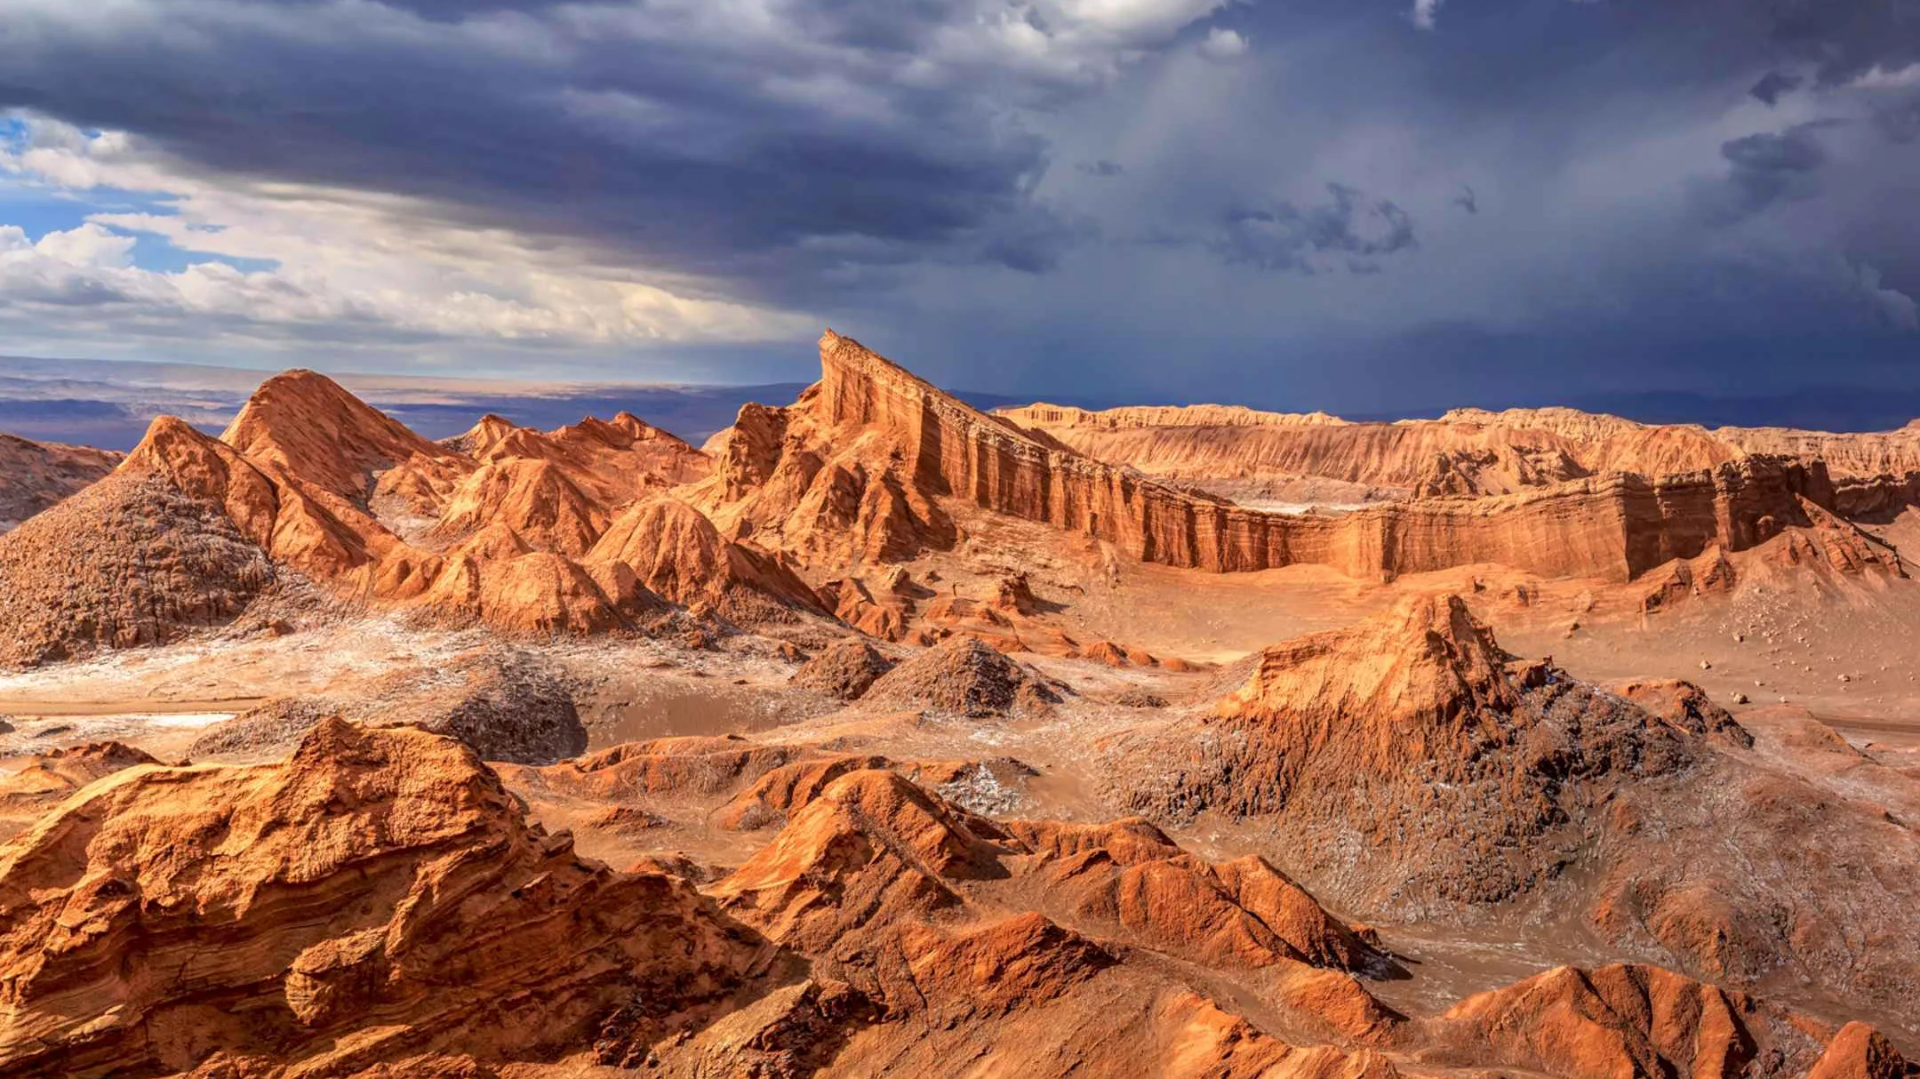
x=856, y=469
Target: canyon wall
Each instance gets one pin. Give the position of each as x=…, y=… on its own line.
x=1466, y=451
x=1612, y=527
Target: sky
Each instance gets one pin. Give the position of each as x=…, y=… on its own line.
x=1368, y=206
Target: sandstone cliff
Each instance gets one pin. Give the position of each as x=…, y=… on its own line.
x=1464, y=452
x=857, y=469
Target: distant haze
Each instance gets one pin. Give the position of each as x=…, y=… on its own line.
x=109, y=404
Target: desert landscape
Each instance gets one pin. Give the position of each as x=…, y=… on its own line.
x=882, y=735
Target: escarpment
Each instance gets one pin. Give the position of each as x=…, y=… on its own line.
x=868, y=454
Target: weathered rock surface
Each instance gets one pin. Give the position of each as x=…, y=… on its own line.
x=871, y=879
x=1623, y=1020
x=856, y=468
x=845, y=669
x=129, y=561
x=377, y=896
x=507, y=704
x=35, y=475
x=674, y=550
x=1465, y=452
x=963, y=676
x=1408, y=761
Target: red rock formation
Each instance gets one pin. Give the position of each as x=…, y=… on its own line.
x=1465, y=452
x=35, y=475
x=376, y=897
x=867, y=454
x=46, y=779
x=1410, y=737
x=1619, y=1021
x=306, y=427
x=534, y=498
x=1860, y=1052
x=871, y=880
x=674, y=550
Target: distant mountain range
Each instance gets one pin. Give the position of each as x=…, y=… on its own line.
x=109, y=403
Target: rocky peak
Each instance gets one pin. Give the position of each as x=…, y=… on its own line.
x=309, y=427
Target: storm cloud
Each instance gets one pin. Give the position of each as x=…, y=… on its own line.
x=1009, y=194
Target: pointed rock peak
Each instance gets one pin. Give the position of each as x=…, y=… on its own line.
x=162, y=443
x=860, y=387
x=311, y=428
x=640, y=430
x=1427, y=659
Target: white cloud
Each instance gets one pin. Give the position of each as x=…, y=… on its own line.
x=1424, y=12
x=1223, y=44
x=1880, y=78
x=345, y=263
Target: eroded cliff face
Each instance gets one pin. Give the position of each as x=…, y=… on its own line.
x=1467, y=451
x=605, y=525
x=858, y=467
x=377, y=896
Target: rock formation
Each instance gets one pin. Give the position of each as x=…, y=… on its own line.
x=1464, y=452
x=845, y=669
x=377, y=897
x=506, y=704
x=1412, y=738
x=129, y=561
x=965, y=677
x=857, y=468
x=35, y=475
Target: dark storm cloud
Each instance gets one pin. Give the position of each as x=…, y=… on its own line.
x=1774, y=85
x=1765, y=168
x=1285, y=236
x=760, y=150
x=1845, y=39
x=1598, y=190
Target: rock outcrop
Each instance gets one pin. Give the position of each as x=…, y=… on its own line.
x=1465, y=452
x=675, y=551
x=1623, y=1020
x=871, y=880
x=1406, y=763
x=129, y=561
x=506, y=704
x=35, y=475
x=845, y=669
x=856, y=470
x=377, y=897
x=964, y=677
